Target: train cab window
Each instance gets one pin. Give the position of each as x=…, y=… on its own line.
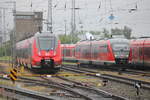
x=47, y=43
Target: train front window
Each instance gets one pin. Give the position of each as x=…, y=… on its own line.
x=120, y=47
x=47, y=43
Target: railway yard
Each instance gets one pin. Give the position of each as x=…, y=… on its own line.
x=73, y=83
x=74, y=50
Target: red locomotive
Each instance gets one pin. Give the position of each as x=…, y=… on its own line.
x=42, y=51
x=68, y=52
x=140, y=52
x=105, y=52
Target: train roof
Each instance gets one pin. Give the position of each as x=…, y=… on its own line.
x=118, y=40
x=140, y=41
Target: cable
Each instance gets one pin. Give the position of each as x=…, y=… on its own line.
x=99, y=6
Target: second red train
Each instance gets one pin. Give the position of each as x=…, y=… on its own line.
x=99, y=52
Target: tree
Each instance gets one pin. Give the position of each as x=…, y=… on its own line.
x=116, y=31
x=127, y=32
x=95, y=32
x=106, y=33
x=68, y=39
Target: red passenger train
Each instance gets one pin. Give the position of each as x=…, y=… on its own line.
x=140, y=52
x=42, y=51
x=98, y=52
x=103, y=52
x=68, y=52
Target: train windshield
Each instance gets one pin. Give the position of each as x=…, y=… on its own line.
x=47, y=43
x=120, y=47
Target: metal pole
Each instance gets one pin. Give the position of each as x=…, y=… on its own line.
x=14, y=37
x=0, y=19
x=74, y=21
x=4, y=32
x=73, y=24
x=49, y=25
x=65, y=21
x=65, y=27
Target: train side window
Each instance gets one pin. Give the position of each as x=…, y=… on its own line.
x=73, y=52
x=85, y=51
x=140, y=51
x=95, y=51
x=64, y=52
x=67, y=52
x=147, y=51
x=104, y=49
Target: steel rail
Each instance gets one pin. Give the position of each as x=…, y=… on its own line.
x=145, y=85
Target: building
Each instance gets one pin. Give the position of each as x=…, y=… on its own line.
x=27, y=24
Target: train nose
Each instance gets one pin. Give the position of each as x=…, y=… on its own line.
x=121, y=59
x=47, y=62
x=46, y=53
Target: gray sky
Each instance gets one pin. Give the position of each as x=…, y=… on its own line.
x=93, y=17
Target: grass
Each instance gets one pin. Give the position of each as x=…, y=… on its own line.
x=67, y=63
x=6, y=58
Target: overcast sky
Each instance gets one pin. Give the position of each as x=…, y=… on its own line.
x=94, y=14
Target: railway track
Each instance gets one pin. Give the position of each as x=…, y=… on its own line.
x=129, y=81
x=78, y=87
x=69, y=92
x=92, y=93
x=17, y=93
x=79, y=91
x=145, y=73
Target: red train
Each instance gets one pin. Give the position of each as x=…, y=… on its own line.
x=42, y=51
x=68, y=52
x=102, y=52
x=140, y=52
x=105, y=52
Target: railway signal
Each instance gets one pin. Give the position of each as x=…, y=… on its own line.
x=13, y=75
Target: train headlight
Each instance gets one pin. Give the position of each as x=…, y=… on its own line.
x=47, y=54
x=39, y=53
x=116, y=55
x=54, y=53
